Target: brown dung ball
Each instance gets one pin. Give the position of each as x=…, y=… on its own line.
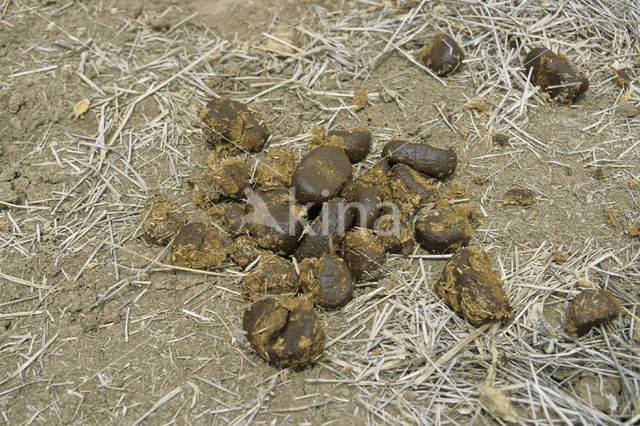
x=206, y=191
x=327, y=230
x=395, y=234
x=443, y=232
x=274, y=219
x=163, y=218
x=368, y=206
x=245, y=250
x=436, y=162
x=231, y=176
x=198, y=245
x=327, y=280
x=365, y=254
x=409, y=188
x=226, y=121
x=274, y=275
x=356, y=142
x=276, y=170
x=442, y=54
x=471, y=287
x=321, y=174
x=555, y=74
x=285, y=331
x=591, y=308
x=234, y=217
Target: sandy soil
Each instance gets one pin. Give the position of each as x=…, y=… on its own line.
x=96, y=328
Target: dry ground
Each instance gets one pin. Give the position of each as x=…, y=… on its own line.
x=94, y=328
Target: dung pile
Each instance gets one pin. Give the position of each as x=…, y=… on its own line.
x=310, y=230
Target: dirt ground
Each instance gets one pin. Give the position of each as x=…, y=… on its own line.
x=96, y=328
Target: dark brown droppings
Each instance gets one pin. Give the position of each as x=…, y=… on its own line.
x=245, y=250
x=231, y=176
x=395, y=234
x=555, y=74
x=234, y=218
x=591, y=308
x=376, y=177
x=473, y=216
x=163, y=218
x=284, y=331
x=357, y=142
x=365, y=254
x=368, y=207
x=321, y=174
x=349, y=190
x=409, y=188
x=263, y=321
x=274, y=219
x=227, y=121
x=198, y=245
x=443, y=232
x=277, y=171
x=274, y=275
x=520, y=197
x=326, y=230
x=436, y=162
x=471, y=287
x=383, y=165
x=501, y=138
x=205, y=191
x=442, y=54
x=327, y=281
